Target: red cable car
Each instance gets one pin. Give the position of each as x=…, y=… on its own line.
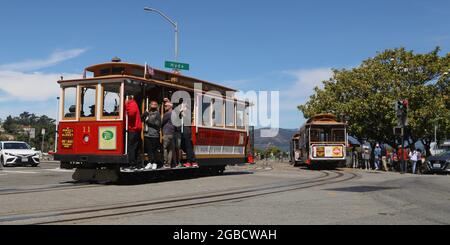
x=92, y=127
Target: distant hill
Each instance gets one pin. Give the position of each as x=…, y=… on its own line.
x=282, y=140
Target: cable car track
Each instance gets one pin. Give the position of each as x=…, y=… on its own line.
x=115, y=210
x=75, y=186
x=12, y=191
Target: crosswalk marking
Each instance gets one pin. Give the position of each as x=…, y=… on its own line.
x=18, y=172
x=59, y=170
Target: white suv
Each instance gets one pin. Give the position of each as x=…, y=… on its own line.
x=15, y=153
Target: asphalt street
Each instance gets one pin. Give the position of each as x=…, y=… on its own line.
x=274, y=194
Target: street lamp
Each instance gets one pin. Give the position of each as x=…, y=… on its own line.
x=175, y=25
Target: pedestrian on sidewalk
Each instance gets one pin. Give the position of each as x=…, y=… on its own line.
x=394, y=160
x=414, y=156
x=384, y=158
x=355, y=157
x=377, y=154
x=366, y=157
x=403, y=158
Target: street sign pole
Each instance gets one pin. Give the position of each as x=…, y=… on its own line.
x=175, y=26
x=43, y=139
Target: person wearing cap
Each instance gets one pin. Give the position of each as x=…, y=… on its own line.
x=134, y=130
x=168, y=134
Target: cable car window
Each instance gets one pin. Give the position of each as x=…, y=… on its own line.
x=230, y=114
x=218, y=112
x=111, y=100
x=88, y=98
x=69, y=103
x=338, y=135
x=317, y=135
x=206, y=112
x=240, y=116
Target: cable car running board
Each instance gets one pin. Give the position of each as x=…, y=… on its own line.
x=96, y=175
x=154, y=170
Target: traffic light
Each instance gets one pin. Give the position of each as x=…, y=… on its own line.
x=399, y=109
x=405, y=107
x=402, y=112
x=398, y=131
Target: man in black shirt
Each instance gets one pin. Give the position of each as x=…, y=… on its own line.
x=168, y=133
x=152, y=121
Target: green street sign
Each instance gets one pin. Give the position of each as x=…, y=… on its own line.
x=176, y=66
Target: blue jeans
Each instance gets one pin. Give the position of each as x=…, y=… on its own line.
x=414, y=165
x=377, y=163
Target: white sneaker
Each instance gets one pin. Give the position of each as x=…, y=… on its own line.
x=149, y=166
x=154, y=166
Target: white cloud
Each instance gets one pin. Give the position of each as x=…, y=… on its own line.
x=53, y=59
x=299, y=92
x=305, y=82
x=298, y=87
x=19, y=84
x=30, y=86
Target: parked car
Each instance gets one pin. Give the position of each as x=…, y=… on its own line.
x=14, y=153
x=439, y=163
x=436, y=149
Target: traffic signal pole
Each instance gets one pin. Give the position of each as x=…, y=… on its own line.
x=402, y=116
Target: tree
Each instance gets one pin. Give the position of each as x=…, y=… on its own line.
x=15, y=125
x=9, y=125
x=366, y=95
x=272, y=150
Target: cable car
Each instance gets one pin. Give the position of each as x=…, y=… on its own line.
x=321, y=142
x=92, y=122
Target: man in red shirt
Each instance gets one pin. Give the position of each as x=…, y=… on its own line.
x=134, y=130
x=403, y=157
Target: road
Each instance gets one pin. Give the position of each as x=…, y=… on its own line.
x=249, y=195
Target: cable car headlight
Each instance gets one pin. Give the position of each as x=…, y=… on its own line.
x=86, y=139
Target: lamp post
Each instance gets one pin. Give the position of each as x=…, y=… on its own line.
x=173, y=23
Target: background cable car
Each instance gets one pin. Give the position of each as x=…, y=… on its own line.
x=321, y=142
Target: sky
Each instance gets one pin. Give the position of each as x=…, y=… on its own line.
x=288, y=46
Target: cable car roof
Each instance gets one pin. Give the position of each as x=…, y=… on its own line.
x=137, y=71
x=324, y=119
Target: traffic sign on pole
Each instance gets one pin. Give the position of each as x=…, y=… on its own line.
x=32, y=133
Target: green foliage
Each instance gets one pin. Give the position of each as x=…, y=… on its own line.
x=366, y=95
x=269, y=151
x=14, y=126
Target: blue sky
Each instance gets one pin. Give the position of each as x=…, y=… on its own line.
x=288, y=45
